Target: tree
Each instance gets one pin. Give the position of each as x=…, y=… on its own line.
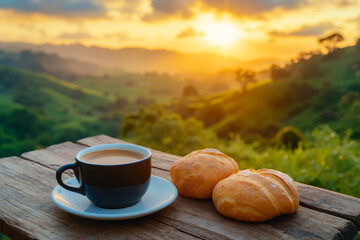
x=330, y=42
x=23, y=122
x=277, y=73
x=244, y=77
x=288, y=137
x=121, y=102
x=310, y=69
x=190, y=91
x=165, y=131
x=358, y=45
x=144, y=101
x=348, y=99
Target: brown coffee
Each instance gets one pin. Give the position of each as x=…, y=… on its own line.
x=112, y=157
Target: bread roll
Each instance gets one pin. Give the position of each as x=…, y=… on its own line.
x=256, y=196
x=196, y=174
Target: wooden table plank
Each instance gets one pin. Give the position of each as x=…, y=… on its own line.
x=312, y=197
x=51, y=154
x=26, y=210
x=334, y=203
x=200, y=219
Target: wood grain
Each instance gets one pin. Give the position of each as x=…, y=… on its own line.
x=312, y=197
x=26, y=210
x=334, y=203
x=203, y=209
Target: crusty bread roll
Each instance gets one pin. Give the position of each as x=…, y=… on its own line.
x=256, y=196
x=196, y=174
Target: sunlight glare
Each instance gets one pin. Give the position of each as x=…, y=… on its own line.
x=222, y=33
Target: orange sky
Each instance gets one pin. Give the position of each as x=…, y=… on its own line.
x=242, y=29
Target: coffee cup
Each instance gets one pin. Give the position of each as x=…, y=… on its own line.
x=110, y=175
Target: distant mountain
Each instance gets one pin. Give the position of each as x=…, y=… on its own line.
x=143, y=60
x=65, y=68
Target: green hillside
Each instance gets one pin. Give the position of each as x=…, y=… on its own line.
x=49, y=95
x=135, y=86
x=65, y=68
x=321, y=89
x=37, y=110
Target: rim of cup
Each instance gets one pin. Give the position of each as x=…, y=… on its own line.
x=114, y=146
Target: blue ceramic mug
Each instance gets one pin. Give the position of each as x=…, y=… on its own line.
x=110, y=186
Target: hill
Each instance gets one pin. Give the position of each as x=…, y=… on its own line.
x=52, y=64
x=38, y=110
x=320, y=89
x=141, y=59
x=49, y=95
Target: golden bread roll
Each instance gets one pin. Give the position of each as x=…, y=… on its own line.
x=196, y=174
x=256, y=196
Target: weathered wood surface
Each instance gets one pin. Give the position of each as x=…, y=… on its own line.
x=26, y=210
x=312, y=197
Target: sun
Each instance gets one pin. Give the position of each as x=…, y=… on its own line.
x=222, y=33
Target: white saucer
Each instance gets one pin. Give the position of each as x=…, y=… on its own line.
x=161, y=193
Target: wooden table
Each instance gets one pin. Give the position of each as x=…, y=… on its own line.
x=27, y=212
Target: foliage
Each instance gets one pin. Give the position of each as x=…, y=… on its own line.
x=288, y=137
x=310, y=69
x=348, y=99
x=121, y=102
x=357, y=45
x=210, y=113
x=190, y=91
x=4, y=237
x=244, y=77
x=330, y=42
x=353, y=68
x=277, y=73
x=169, y=132
x=142, y=101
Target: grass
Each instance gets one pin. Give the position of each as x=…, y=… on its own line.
x=4, y=237
x=61, y=99
x=6, y=103
x=133, y=86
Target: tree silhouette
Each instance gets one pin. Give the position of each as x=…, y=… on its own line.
x=190, y=91
x=331, y=41
x=244, y=77
x=277, y=73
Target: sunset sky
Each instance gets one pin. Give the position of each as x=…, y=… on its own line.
x=242, y=29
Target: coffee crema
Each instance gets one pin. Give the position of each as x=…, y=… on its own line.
x=112, y=157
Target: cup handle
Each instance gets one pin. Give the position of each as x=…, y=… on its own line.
x=59, y=173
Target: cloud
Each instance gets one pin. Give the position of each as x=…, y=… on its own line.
x=355, y=21
x=347, y=3
x=69, y=8
x=122, y=36
x=307, y=30
x=75, y=35
x=189, y=32
x=246, y=7
x=167, y=8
